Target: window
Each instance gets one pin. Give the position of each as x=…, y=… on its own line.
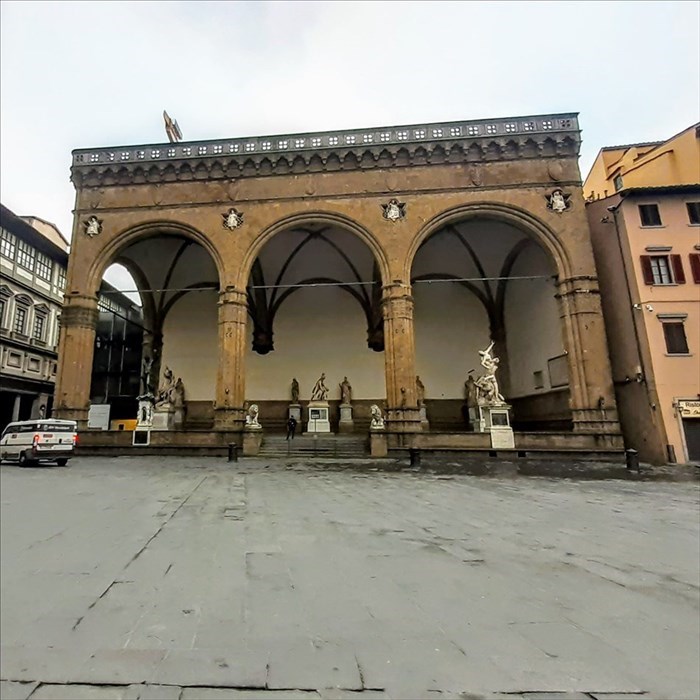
x=693, y=212
x=662, y=269
x=20, y=319
x=617, y=183
x=25, y=255
x=676, y=342
x=7, y=245
x=2, y=310
x=43, y=267
x=649, y=215
x=39, y=324
x=61, y=278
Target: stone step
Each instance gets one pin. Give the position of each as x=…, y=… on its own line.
x=342, y=446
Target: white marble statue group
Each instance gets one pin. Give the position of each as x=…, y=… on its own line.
x=484, y=390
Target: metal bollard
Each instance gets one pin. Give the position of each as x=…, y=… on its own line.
x=414, y=454
x=233, y=452
x=632, y=459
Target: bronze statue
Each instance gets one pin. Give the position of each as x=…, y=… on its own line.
x=295, y=391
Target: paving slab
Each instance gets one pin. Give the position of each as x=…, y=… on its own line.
x=80, y=692
x=10, y=690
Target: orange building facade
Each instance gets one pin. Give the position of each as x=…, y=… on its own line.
x=643, y=206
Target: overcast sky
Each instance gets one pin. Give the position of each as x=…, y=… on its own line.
x=86, y=74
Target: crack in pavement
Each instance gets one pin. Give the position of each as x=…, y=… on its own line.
x=140, y=552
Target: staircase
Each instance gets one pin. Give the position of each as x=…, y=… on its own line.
x=314, y=446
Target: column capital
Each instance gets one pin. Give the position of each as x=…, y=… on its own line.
x=79, y=311
x=231, y=295
x=581, y=284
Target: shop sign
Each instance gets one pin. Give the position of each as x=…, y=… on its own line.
x=689, y=408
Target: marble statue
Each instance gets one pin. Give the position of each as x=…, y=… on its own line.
x=471, y=393
x=320, y=390
x=487, y=384
x=345, y=391
x=177, y=394
x=377, y=422
x=403, y=397
x=251, y=417
x=420, y=392
x=164, y=394
x=295, y=391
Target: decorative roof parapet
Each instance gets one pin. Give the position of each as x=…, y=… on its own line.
x=493, y=139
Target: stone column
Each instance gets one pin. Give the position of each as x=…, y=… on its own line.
x=75, y=352
x=590, y=377
x=403, y=415
x=230, y=381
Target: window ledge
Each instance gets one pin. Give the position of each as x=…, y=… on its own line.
x=653, y=226
x=694, y=225
x=679, y=354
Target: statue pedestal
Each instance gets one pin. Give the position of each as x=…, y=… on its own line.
x=295, y=412
x=495, y=419
x=144, y=417
x=318, y=421
x=424, y=417
x=378, y=443
x=346, y=423
x=487, y=416
x=163, y=418
x=252, y=440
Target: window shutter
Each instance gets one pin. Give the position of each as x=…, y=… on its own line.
x=678, y=273
x=646, y=269
x=695, y=267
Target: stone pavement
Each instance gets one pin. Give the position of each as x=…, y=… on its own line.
x=187, y=578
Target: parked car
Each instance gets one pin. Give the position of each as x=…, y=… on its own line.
x=44, y=440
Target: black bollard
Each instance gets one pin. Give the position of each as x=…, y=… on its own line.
x=414, y=454
x=632, y=459
x=233, y=452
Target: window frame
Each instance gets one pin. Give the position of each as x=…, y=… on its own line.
x=675, y=323
x=39, y=318
x=43, y=262
x=674, y=265
x=691, y=207
x=644, y=209
x=24, y=311
x=25, y=251
x=8, y=241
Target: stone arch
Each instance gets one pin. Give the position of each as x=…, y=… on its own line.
x=122, y=240
x=305, y=219
x=507, y=213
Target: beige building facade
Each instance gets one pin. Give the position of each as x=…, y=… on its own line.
x=374, y=254
x=644, y=213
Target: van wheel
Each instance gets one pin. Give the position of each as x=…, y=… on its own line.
x=24, y=461
x=61, y=462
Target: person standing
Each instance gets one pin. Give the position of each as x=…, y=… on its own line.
x=291, y=427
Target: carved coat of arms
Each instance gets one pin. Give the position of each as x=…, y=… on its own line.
x=558, y=201
x=394, y=210
x=232, y=219
x=93, y=226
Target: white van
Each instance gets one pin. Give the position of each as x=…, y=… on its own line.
x=44, y=440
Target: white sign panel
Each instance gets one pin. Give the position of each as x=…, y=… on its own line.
x=689, y=408
x=502, y=438
x=98, y=416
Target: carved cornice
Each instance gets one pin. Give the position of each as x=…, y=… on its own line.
x=419, y=145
